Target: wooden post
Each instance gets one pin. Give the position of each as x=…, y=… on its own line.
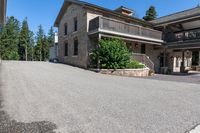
x=182, y=69
x=98, y=46
x=199, y=58
x=164, y=56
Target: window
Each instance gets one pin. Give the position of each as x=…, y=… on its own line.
x=75, y=24
x=75, y=46
x=143, y=49
x=65, y=29
x=66, y=49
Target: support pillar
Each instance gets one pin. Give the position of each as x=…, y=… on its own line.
x=98, y=61
x=199, y=58
x=164, y=56
x=182, y=69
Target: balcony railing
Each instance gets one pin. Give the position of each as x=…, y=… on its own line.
x=183, y=36
x=123, y=27
x=144, y=59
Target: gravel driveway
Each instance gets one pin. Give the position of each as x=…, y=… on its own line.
x=38, y=97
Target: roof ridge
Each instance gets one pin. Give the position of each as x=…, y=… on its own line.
x=177, y=13
x=83, y=3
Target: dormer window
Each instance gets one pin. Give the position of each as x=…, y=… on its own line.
x=125, y=11
x=65, y=29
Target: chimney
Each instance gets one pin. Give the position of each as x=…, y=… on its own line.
x=125, y=11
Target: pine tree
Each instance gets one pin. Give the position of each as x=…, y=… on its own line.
x=39, y=44
x=31, y=46
x=10, y=39
x=24, y=41
x=50, y=38
x=51, y=35
x=45, y=50
x=151, y=14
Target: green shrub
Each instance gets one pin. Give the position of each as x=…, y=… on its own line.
x=112, y=54
x=13, y=56
x=133, y=64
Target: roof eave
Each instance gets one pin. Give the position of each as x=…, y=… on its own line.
x=88, y=5
x=179, y=20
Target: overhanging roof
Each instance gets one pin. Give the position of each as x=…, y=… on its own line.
x=182, y=16
x=98, y=8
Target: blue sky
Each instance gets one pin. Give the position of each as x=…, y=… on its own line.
x=44, y=12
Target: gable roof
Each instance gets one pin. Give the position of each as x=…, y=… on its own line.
x=178, y=16
x=99, y=8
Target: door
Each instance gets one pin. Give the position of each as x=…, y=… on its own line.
x=195, y=58
x=162, y=59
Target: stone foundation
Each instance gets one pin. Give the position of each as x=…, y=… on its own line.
x=127, y=72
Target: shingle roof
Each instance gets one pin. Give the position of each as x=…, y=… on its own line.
x=178, y=16
x=85, y=4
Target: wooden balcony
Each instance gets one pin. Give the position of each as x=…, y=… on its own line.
x=181, y=37
x=119, y=28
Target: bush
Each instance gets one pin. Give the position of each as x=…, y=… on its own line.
x=112, y=54
x=13, y=56
x=134, y=65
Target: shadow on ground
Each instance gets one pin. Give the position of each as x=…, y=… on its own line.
x=11, y=126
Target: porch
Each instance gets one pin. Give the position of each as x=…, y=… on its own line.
x=183, y=60
x=145, y=43
x=182, y=40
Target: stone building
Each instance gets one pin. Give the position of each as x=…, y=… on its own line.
x=157, y=44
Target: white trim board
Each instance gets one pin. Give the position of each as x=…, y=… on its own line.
x=132, y=36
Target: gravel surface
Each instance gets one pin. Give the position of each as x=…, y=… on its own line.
x=71, y=100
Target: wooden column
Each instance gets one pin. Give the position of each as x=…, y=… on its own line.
x=199, y=58
x=164, y=54
x=182, y=69
x=98, y=61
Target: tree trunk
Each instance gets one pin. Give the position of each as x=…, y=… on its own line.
x=26, y=54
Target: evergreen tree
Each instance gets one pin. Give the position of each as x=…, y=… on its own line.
x=39, y=44
x=45, y=49
x=31, y=46
x=24, y=41
x=10, y=39
x=151, y=14
x=51, y=36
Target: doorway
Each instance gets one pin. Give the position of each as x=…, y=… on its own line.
x=195, y=58
x=143, y=49
x=163, y=60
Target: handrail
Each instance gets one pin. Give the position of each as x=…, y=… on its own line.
x=123, y=27
x=144, y=59
x=183, y=36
